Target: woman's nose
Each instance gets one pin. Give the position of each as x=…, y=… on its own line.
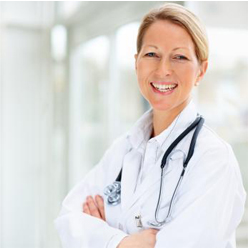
x=164, y=68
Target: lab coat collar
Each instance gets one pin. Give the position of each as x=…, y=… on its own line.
x=181, y=122
x=142, y=129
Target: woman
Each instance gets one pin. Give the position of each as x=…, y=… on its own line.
x=197, y=207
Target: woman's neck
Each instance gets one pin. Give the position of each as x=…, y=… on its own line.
x=163, y=119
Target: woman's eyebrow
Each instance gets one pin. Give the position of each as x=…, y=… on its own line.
x=180, y=48
x=152, y=46
x=176, y=48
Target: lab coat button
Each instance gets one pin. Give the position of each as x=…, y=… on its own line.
x=120, y=227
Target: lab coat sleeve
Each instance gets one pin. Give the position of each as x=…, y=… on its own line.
x=209, y=206
x=79, y=230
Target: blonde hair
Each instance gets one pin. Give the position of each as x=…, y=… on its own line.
x=179, y=15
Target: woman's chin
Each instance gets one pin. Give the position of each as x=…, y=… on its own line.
x=161, y=106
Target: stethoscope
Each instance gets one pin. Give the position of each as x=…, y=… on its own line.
x=113, y=191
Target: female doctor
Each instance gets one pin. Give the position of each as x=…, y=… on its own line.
x=177, y=184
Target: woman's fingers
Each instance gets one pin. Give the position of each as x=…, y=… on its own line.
x=94, y=211
x=94, y=207
x=100, y=204
x=86, y=209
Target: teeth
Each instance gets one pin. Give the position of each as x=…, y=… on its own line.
x=163, y=87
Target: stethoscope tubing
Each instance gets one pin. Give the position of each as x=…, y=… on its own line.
x=198, y=123
x=112, y=193
x=198, y=120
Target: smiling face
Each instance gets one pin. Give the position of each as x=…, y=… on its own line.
x=167, y=67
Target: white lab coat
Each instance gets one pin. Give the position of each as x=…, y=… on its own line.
x=208, y=206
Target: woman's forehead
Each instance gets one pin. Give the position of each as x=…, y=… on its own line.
x=167, y=33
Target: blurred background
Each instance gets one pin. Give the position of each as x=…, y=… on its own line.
x=68, y=89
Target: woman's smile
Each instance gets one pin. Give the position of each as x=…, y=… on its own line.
x=163, y=88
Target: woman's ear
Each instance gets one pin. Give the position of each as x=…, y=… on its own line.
x=136, y=57
x=203, y=69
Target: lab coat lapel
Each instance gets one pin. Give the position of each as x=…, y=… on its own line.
x=186, y=117
x=150, y=180
x=130, y=172
x=154, y=175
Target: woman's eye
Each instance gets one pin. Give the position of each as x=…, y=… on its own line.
x=150, y=54
x=180, y=57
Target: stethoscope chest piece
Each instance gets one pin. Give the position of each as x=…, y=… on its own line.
x=113, y=193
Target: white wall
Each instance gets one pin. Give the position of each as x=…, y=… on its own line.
x=28, y=194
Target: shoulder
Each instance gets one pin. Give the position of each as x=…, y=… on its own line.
x=133, y=137
x=211, y=142
x=119, y=146
x=111, y=160
x=212, y=153
x=214, y=161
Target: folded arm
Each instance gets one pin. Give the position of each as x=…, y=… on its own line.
x=79, y=229
x=82, y=221
x=144, y=239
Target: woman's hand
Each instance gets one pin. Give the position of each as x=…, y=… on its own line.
x=143, y=239
x=94, y=207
